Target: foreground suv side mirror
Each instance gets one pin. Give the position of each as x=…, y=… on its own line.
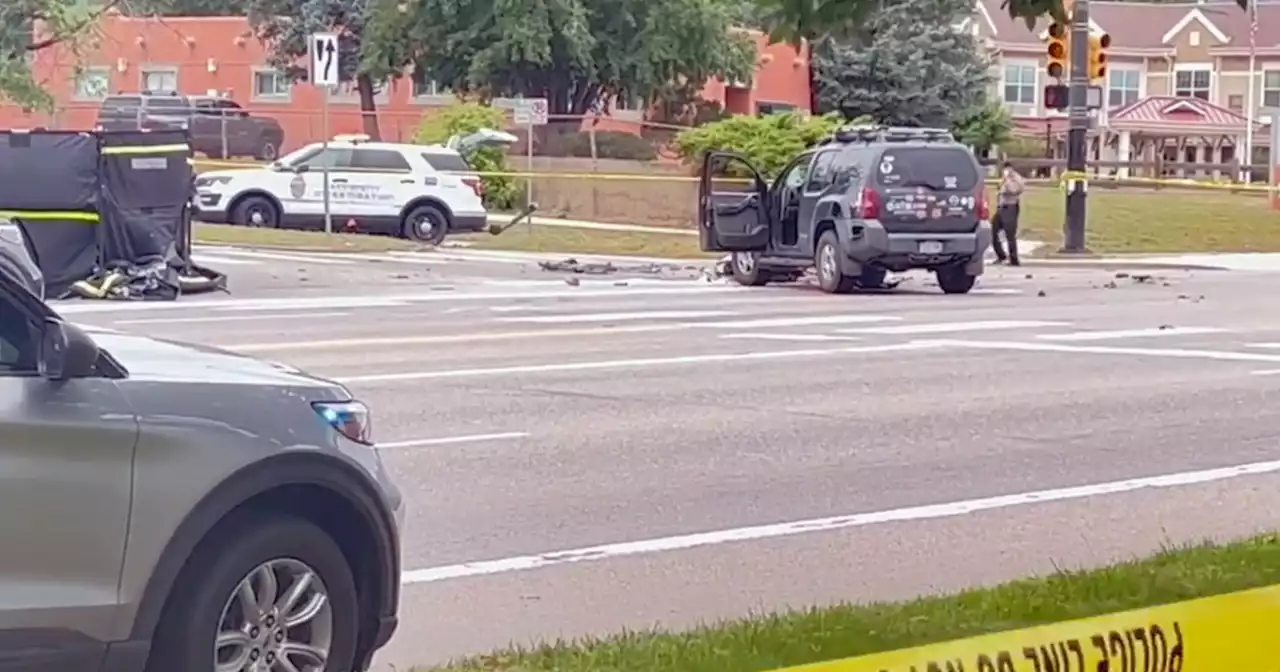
x=66, y=352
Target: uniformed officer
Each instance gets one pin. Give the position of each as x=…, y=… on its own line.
x=1008, y=207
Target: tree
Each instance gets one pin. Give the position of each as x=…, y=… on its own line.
x=63, y=24
x=578, y=54
x=909, y=67
x=984, y=126
x=285, y=26
x=202, y=7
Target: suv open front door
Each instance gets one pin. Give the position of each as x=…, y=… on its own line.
x=737, y=220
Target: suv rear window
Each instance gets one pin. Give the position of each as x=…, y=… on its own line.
x=167, y=102
x=121, y=102
x=447, y=163
x=950, y=168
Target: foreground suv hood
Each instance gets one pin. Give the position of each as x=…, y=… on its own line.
x=160, y=360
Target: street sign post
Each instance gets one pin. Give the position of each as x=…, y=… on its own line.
x=530, y=112
x=325, y=74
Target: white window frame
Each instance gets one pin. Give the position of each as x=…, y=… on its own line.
x=345, y=93
x=149, y=69
x=1210, y=93
x=1035, y=83
x=259, y=96
x=102, y=73
x=1139, y=89
x=1264, y=89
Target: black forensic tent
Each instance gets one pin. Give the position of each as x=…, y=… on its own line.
x=105, y=214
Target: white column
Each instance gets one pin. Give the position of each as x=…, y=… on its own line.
x=1123, y=151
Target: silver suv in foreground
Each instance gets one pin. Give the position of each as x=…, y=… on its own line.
x=171, y=508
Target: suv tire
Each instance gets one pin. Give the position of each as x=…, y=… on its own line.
x=954, y=280
x=268, y=148
x=425, y=224
x=826, y=261
x=204, y=607
x=256, y=211
x=746, y=269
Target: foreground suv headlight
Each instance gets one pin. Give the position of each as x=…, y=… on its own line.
x=350, y=418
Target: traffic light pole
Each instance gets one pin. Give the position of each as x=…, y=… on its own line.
x=1077, y=130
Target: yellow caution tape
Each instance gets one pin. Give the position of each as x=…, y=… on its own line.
x=1227, y=633
x=147, y=149
x=638, y=177
x=51, y=215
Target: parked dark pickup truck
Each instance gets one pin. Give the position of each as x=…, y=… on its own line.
x=219, y=127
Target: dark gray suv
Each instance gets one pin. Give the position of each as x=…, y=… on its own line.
x=868, y=201
x=173, y=508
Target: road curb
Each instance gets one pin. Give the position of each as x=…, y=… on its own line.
x=1105, y=264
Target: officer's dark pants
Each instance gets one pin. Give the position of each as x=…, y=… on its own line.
x=1006, y=220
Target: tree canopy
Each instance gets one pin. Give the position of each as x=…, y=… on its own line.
x=579, y=54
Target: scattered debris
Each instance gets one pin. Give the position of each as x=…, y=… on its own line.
x=1029, y=276
x=1110, y=285
x=1142, y=278
x=1041, y=293
x=572, y=282
x=1122, y=274
x=1164, y=327
x=621, y=283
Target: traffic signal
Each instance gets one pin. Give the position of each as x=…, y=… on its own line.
x=1057, y=51
x=1098, y=45
x=1056, y=97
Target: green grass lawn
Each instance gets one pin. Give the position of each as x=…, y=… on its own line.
x=1134, y=221
x=775, y=641
x=524, y=238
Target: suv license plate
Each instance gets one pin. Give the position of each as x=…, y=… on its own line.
x=931, y=247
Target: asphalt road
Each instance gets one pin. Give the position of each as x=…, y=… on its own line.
x=634, y=451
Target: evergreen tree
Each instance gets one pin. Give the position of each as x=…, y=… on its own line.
x=908, y=65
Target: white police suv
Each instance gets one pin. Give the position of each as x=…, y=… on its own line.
x=420, y=192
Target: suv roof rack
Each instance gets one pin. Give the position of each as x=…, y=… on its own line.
x=877, y=133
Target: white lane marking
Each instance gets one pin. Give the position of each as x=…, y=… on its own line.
x=947, y=327
x=1177, y=353
x=276, y=256
x=371, y=302
x=453, y=256
x=614, y=317
x=449, y=338
x=628, y=363
x=789, y=337
x=1267, y=346
x=1129, y=333
x=338, y=302
x=758, y=532
x=231, y=318
x=996, y=290
x=447, y=440
x=796, y=321
x=204, y=259
x=1266, y=372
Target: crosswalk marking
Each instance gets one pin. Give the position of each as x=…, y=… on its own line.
x=1129, y=333
x=797, y=321
x=276, y=256
x=618, y=317
x=211, y=260
x=788, y=337
x=947, y=327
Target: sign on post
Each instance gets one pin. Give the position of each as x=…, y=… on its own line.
x=530, y=112
x=325, y=73
x=324, y=59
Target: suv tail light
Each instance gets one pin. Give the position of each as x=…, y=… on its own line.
x=476, y=184
x=983, y=209
x=868, y=204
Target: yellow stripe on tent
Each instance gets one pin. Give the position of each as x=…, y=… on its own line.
x=148, y=149
x=51, y=215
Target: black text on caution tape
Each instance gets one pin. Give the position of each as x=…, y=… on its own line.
x=1150, y=648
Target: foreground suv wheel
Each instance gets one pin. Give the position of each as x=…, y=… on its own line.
x=265, y=594
x=953, y=280
x=827, y=262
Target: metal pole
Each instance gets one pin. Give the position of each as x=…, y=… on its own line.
x=324, y=166
x=528, y=180
x=1077, y=129
x=225, y=154
x=1253, y=104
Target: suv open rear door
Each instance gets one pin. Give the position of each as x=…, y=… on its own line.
x=737, y=219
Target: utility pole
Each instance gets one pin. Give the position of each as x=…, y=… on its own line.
x=1077, y=130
